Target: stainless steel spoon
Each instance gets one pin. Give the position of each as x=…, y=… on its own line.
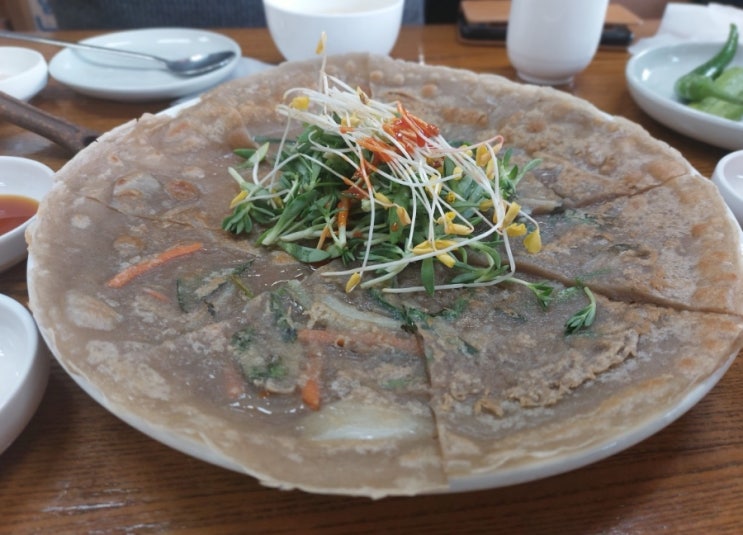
x=190, y=66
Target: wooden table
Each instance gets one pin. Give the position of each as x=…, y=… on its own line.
x=76, y=468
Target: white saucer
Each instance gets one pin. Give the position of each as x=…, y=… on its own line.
x=651, y=75
x=119, y=78
x=24, y=369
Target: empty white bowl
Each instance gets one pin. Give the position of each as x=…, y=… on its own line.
x=25, y=178
x=728, y=176
x=23, y=72
x=350, y=25
x=24, y=369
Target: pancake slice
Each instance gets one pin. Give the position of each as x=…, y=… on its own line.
x=211, y=281
x=190, y=391
x=520, y=390
x=587, y=155
x=673, y=245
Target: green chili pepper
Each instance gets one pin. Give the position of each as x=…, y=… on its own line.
x=731, y=81
x=699, y=83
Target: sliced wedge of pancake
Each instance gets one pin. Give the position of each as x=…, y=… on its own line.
x=509, y=387
x=81, y=246
x=673, y=245
x=189, y=392
x=588, y=155
x=173, y=168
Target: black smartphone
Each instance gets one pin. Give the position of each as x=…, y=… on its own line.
x=612, y=35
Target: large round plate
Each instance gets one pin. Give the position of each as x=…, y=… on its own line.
x=119, y=78
x=630, y=428
x=651, y=75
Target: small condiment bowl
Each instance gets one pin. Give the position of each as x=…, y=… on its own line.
x=350, y=26
x=23, y=72
x=24, y=369
x=728, y=177
x=25, y=178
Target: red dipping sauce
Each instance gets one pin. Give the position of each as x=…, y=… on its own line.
x=15, y=210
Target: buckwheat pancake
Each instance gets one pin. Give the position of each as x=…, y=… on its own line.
x=248, y=358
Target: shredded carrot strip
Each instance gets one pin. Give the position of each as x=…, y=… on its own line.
x=344, y=205
x=311, y=388
x=379, y=149
x=354, y=189
x=324, y=235
x=364, y=172
x=156, y=295
x=311, y=393
x=135, y=270
x=233, y=381
x=414, y=122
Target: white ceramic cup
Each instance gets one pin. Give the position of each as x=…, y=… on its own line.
x=350, y=26
x=550, y=41
x=23, y=72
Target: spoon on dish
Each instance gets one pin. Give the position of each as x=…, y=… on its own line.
x=190, y=66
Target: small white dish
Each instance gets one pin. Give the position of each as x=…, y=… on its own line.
x=350, y=26
x=112, y=77
x=25, y=178
x=24, y=369
x=651, y=75
x=23, y=72
x=728, y=177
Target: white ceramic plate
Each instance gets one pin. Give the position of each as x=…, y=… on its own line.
x=651, y=75
x=119, y=78
x=24, y=369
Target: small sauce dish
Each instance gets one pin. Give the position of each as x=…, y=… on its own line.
x=24, y=369
x=23, y=72
x=23, y=182
x=350, y=26
x=728, y=177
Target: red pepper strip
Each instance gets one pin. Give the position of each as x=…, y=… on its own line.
x=379, y=149
x=417, y=125
x=398, y=130
x=365, y=175
x=353, y=189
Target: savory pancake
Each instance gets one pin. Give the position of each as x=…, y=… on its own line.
x=244, y=356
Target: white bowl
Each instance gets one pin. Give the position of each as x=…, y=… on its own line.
x=27, y=178
x=350, y=25
x=728, y=176
x=24, y=369
x=23, y=72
